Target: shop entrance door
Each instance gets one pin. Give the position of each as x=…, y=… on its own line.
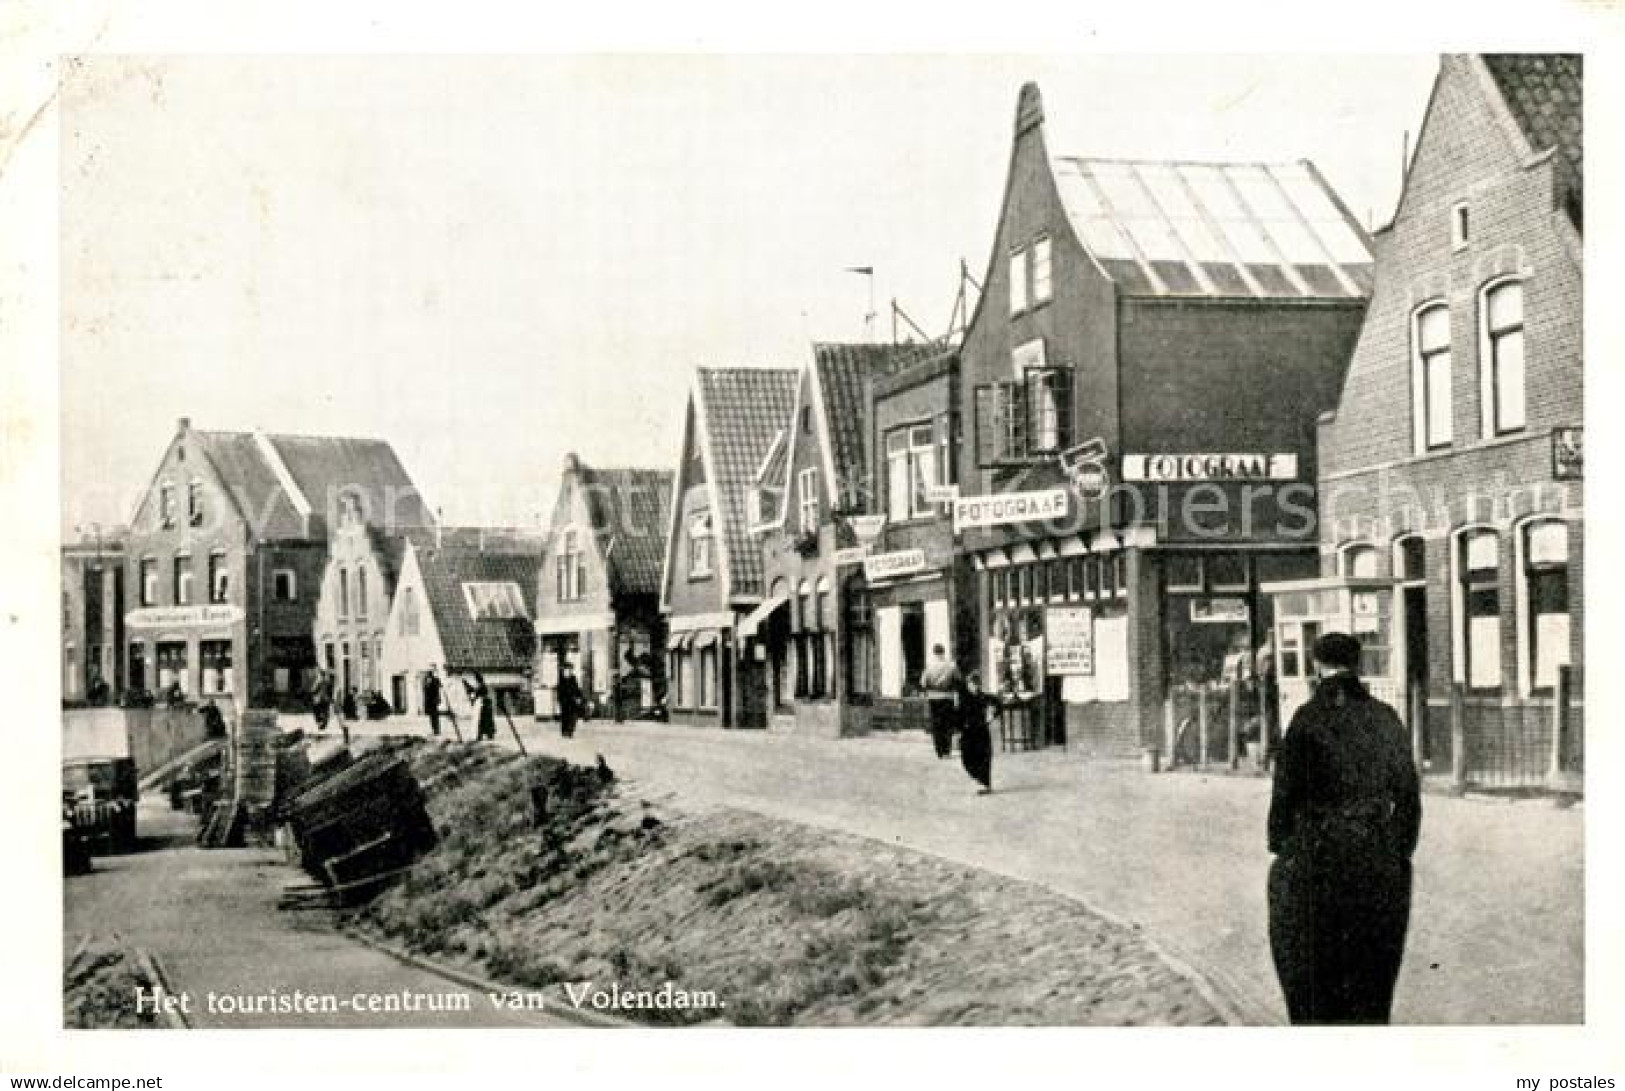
x=913, y=641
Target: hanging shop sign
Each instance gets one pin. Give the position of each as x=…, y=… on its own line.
x=885, y=566
x=851, y=555
x=867, y=527
x=1085, y=468
x=1243, y=466
x=1069, y=647
x=182, y=617
x=1011, y=507
x=941, y=494
x=1568, y=454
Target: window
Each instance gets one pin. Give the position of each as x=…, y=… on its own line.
x=708, y=677
x=183, y=580
x=1049, y=405
x=166, y=506
x=344, y=592
x=1430, y=379
x=1545, y=548
x=215, y=656
x=219, y=577
x=1410, y=558
x=1460, y=223
x=860, y=626
x=149, y=581
x=284, y=585
x=570, y=567
x=1480, y=562
x=807, y=496
x=1018, y=281
x=172, y=668
x=947, y=450
x=494, y=601
x=910, y=471
x=361, y=592
x=349, y=509
x=1041, y=271
x=194, y=503
x=699, y=545
x=1503, y=371
x=408, y=623
x=1360, y=561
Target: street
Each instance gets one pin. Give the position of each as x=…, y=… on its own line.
x=210, y=917
x=1497, y=932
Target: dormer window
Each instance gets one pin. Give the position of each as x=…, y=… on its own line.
x=494, y=601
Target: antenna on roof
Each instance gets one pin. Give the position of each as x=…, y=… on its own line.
x=439, y=526
x=870, y=315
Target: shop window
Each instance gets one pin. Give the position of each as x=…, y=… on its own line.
x=172, y=672
x=1360, y=561
x=138, y=666
x=999, y=582
x=166, y=506
x=699, y=545
x=1226, y=572
x=1018, y=281
x=219, y=577
x=1480, y=634
x=1184, y=573
x=807, y=500
x=194, y=503
x=1024, y=584
x=1503, y=358
x=149, y=581
x=285, y=585
x=708, y=676
x=1091, y=578
x=215, y=657
x=1545, y=548
x=1431, y=399
x=1042, y=289
x=860, y=623
x=1114, y=576
x=910, y=471
x=183, y=580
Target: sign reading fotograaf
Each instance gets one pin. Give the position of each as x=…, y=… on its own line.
x=884, y=566
x=1010, y=507
x=1245, y=466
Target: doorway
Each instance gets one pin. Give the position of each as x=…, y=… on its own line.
x=912, y=636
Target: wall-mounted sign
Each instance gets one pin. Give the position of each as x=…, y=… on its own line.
x=1248, y=466
x=1069, y=633
x=1219, y=611
x=1568, y=453
x=1011, y=507
x=885, y=566
x=941, y=494
x=172, y=617
x=851, y=555
x=1085, y=467
x=867, y=527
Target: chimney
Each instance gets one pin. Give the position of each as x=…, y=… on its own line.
x=1029, y=108
x=183, y=425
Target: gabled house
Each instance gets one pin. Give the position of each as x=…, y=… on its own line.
x=815, y=475
x=1454, y=452
x=226, y=552
x=598, y=588
x=1141, y=378
x=712, y=570
x=464, y=604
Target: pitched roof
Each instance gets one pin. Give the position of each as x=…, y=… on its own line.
x=257, y=469
x=629, y=508
x=1259, y=230
x=742, y=409
x=844, y=371
x=1544, y=92
x=467, y=642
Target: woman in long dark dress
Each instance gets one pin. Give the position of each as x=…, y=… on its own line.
x=1343, y=824
x=975, y=741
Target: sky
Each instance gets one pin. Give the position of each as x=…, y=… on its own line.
x=492, y=261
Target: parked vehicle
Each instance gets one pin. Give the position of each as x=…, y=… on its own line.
x=100, y=795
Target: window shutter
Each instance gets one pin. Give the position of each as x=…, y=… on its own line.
x=1065, y=411
x=989, y=426
x=1012, y=395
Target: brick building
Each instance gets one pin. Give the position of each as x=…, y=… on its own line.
x=1141, y=378
x=93, y=619
x=1450, y=467
x=813, y=634
x=711, y=578
x=226, y=552
x=598, y=593
x=353, y=600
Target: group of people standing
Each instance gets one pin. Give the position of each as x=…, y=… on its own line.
x=958, y=705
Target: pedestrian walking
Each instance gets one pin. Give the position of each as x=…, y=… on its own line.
x=571, y=701
x=431, y=701
x=942, y=683
x=975, y=740
x=321, y=699
x=485, y=717
x=1343, y=823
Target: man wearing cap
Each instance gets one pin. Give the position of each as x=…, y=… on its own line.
x=1344, y=820
x=941, y=682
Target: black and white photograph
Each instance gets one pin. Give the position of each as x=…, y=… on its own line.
x=719, y=540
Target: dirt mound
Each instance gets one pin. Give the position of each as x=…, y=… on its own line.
x=756, y=921
x=99, y=986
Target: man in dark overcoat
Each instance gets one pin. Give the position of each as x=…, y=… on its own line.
x=571, y=700
x=1344, y=820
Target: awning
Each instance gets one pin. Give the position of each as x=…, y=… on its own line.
x=680, y=642
x=705, y=639
x=755, y=618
